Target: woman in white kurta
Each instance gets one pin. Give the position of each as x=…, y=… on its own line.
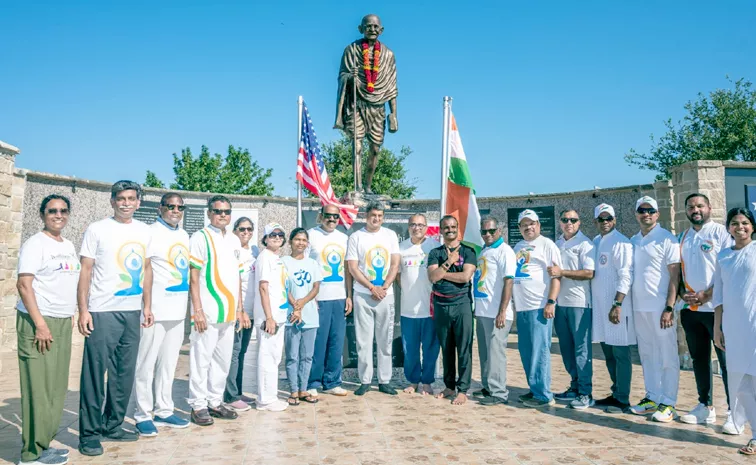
x=735, y=301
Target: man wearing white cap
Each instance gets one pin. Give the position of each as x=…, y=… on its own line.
x=656, y=274
x=535, y=294
x=613, y=324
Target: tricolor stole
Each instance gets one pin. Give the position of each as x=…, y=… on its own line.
x=223, y=298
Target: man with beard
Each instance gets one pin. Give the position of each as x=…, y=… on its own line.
x=450, y=269
x=699, y=247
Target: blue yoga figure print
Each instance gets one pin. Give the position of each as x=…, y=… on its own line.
x=333, y=256
x=131, y=260
x=377, y=259
x=180, y=262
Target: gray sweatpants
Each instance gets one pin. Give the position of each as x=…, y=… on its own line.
x=492, y=351
x=373, y=318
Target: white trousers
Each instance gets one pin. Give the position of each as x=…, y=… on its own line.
x=159, y=349
x=657, y=348
x=209, y=361
x=743, y=398
x=269, y=353
x=373, y=318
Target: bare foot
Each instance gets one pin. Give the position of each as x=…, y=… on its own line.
x=411, y=389
x=445, y=393
x=426, y=389
x=460, y=399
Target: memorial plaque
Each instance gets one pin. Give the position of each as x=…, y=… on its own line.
x=194, y=218
x=545, y=215
x=147, y=212
x=750, y=197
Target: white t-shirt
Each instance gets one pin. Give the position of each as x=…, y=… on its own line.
x=495, y=263
x=56, y=268
x=532, y=280
x=577, y=254
x=118, y=250
x=247, y=259
x=698, y=254
x=416, y=287
x=168, y=251
x=217, y=257
x=651, y=256
x=302, y=276
x=270, y=268
x=373, y=252
x=329, y=249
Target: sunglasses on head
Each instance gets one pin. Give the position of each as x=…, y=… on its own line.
x=649, y=210
x=277, y=234
x=175, y=207
x=605, y=220
x=55, y=211
x=569, y=220
x=491, y=232
x=219, y=211
x=417, y=225
x=330, y=216
x=245, y=229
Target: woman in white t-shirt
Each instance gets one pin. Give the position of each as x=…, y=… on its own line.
x=48, y=272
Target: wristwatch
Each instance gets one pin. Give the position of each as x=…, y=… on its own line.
x=617, y=303
x=669, y=309
x=551, y=302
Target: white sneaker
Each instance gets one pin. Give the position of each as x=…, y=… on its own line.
x=275, y=406
x=700, y=415
x=312, y=392
x=730, y=427
x=337, y=391
x=664, y=414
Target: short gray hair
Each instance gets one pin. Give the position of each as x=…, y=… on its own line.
x=375, y=205
x=125, y=185
x=417, y=214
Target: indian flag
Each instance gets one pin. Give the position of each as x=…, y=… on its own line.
x=460, y=195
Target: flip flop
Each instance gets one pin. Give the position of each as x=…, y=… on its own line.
x=293, y=400
x=310, y=399
x=749, y=449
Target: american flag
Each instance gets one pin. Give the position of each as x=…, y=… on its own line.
x=311, y=171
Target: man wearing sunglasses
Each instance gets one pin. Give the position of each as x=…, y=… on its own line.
x=166, y=296
x=216, y=299
x=613, y=324
x=572, y=321
x=492, y=288
x=656, y=275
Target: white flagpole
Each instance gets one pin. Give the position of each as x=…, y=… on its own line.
x=445, y=153
x=300, y=104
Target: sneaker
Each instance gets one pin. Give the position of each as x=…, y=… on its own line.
x=364, y=388
x=146, y=428
x=664, y=414
x=525, y=397
x=49, y=459
x=566, y=396
x=221, y=411
x=606, y=401
x=612, y=405
x=644, y=407
x=312, y=392
x=700, y=415
x=275, y=406
x=171, y=421
x=482, y=393
x=239, y=406
x=493, y=400
x=337, y=391
x=582, y=402
x=120, y=435
x=90, y=447
x=247, y=399
x=387, y=389
x=538, y=403
x=730, y=427
x=202, y=417
x=54, y=451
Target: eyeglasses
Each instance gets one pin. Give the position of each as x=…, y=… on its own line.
x=330, y=216
x=55, y=211
x=175, y=207
x=569, y=220
x=483, y=232
x=219, y=211
x=247, y=229
x=276, y=234
x=605, y=219
x=417, y=225
x=643, y=210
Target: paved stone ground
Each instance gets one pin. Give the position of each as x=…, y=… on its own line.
x=405, y=429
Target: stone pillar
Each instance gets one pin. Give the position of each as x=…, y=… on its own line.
x=11, y=204
x=665, y=198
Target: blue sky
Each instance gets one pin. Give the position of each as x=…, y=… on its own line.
x=548, y=95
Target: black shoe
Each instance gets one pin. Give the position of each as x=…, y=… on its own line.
x=221, y=411
x=526, y=396
x=202, y=417
x=90, y=447
x=612, y=405
x=120, y=435
x=566, y=396
x=386, y=389
x=362, y=390
x=605, y=402
x=482, y=393
x=493, y=400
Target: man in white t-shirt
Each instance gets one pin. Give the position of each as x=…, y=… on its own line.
x=656, y=274
x=492, y=289
x=573, y=319
x=699, y=246
x=535, y=293
x=166, y=290
x=216, y=299
x=373, y=259
x=328, y=248
x=417, y=325
x=109, y=295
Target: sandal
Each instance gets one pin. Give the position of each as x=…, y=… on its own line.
x=293, y=400
x=310, y=399
x=749, y=449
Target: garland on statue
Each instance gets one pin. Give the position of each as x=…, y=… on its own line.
x=371, y=72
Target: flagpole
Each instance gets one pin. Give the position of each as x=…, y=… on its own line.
x=445, y=153
x=300, y=104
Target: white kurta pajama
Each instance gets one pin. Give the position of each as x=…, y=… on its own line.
x=614, y=273
x=735, y=290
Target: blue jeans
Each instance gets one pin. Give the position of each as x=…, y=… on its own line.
x=329, y=346
x=573, y=326
x=534, y=341
x=417, y=332
x=300, y=345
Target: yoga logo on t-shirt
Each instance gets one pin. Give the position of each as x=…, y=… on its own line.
x=130, y=258
x=333, y=259
x=479, y=281
x=376, y=260
x=284, y=286
x=707, y=246
x=523, y=259
x=178, y=259
x=67, y=264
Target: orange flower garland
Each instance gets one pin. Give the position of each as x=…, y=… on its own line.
x=371, y=72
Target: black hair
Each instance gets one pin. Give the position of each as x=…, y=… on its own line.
x=375, y=205
x=486, y=219
x=217, y=198
x=242, y=220
x=696, y=194
x=50, y=197
x=166, y=197
x=296, y=231
x=449, y=217
x=125, y=185
x=740, y=211
x=569, y=210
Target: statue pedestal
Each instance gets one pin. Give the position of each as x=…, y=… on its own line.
x=361, y=199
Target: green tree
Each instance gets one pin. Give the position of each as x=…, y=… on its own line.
x=235, y=173
x=390, y=177
x=720, y=126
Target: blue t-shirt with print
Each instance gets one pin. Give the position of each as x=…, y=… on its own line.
x=302, y=276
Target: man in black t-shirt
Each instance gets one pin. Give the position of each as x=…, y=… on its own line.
x=450, y=269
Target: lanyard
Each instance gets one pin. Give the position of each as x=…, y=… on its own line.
x=682, y=268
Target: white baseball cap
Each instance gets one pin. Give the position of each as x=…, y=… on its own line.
x=603, y=208
x=529, y=214
x=270, y=227
x=648, y=200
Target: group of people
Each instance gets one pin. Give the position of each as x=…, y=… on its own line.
x=131, y=284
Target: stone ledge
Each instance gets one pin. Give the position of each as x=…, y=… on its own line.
x=8, y=149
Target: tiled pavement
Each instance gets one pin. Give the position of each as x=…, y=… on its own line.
x=405, y=429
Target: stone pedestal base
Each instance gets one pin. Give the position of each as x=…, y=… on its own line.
x=361, y=199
